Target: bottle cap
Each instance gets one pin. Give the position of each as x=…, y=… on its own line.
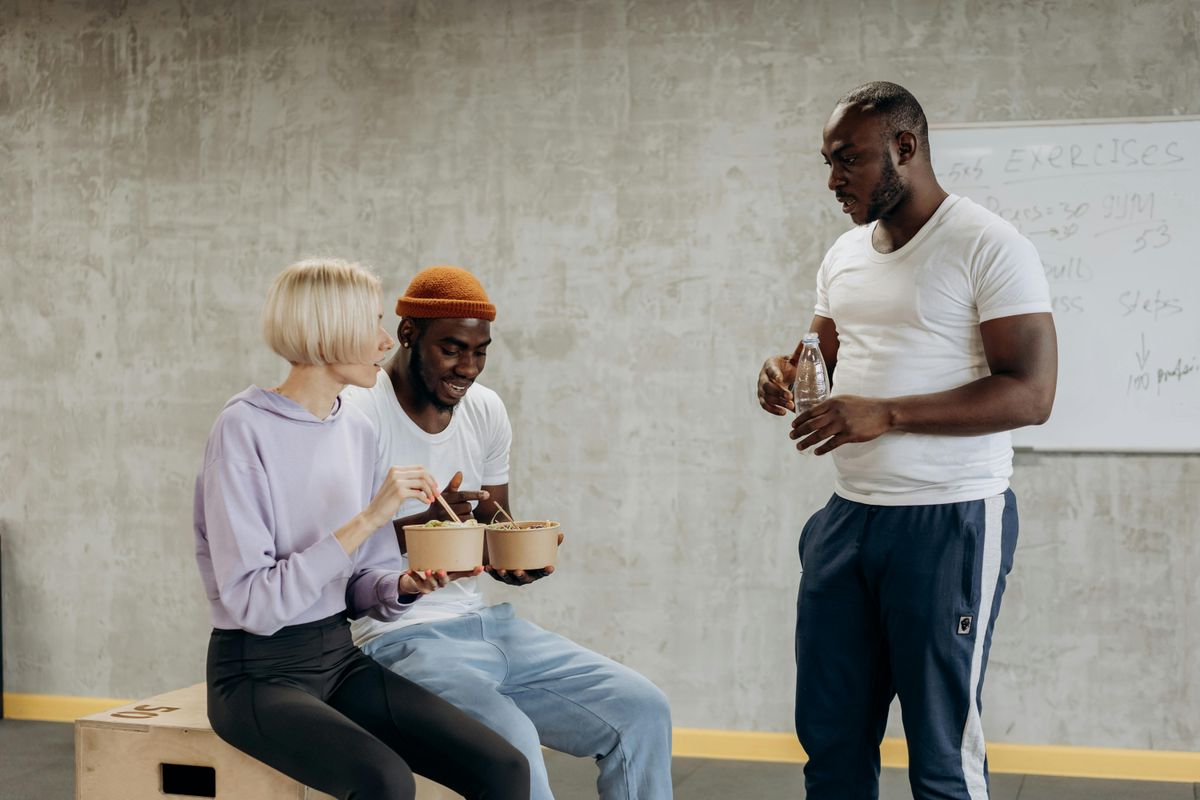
x=812, y=337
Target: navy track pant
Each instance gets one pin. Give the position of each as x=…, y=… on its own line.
x=898, y=600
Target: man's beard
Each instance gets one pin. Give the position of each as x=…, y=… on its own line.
x=888, y=193
x=417, y=379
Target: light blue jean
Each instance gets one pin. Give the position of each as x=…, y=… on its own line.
x=535, y=687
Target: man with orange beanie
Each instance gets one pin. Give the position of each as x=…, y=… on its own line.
x=531, y=686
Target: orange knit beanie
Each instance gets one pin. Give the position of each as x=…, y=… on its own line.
x=445, y=293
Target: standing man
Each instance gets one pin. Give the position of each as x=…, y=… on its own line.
x=934, y=318
x=531, y=686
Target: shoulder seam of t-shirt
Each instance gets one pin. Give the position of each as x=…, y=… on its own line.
x=1000, y=228
x=846, y=238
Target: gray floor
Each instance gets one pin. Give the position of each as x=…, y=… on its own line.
x=37, y=762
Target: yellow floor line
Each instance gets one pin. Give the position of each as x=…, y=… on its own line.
x=1028, y=759
x=55, y=708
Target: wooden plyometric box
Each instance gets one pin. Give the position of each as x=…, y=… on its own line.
x=164, y=747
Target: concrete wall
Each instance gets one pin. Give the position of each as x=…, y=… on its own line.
x=639, y=187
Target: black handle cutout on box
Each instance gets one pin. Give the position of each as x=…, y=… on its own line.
x=189, y=780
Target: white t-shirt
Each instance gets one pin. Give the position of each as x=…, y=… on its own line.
x=476, y=443
x=908, y=323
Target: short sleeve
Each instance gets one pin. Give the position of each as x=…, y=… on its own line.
x=822, y=308
x=1009, y=278
x=498, y=442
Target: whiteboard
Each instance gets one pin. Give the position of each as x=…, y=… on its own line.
x=1114, y=210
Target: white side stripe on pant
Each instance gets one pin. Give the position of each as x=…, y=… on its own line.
x=972, y=750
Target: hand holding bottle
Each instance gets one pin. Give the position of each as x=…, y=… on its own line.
x=810, y=385
x=819, y=419
x=775, y=381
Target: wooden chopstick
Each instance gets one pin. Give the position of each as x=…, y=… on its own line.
x=449, y=510
x=505, y=513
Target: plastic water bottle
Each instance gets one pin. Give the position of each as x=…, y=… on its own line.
x=812, y=380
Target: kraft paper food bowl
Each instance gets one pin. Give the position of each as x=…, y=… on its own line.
x=519, y=545
x=454, y=548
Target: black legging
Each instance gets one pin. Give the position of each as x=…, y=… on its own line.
x=309, y=703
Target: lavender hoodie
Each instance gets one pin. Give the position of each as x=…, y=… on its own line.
x=277, y=482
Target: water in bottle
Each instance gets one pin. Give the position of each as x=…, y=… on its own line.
x=812, y=381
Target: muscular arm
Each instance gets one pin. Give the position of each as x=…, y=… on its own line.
x=1022, y=355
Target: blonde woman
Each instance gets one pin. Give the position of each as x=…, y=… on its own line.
x=293, y=535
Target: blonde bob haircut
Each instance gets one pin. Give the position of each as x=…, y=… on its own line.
x=322, y=311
